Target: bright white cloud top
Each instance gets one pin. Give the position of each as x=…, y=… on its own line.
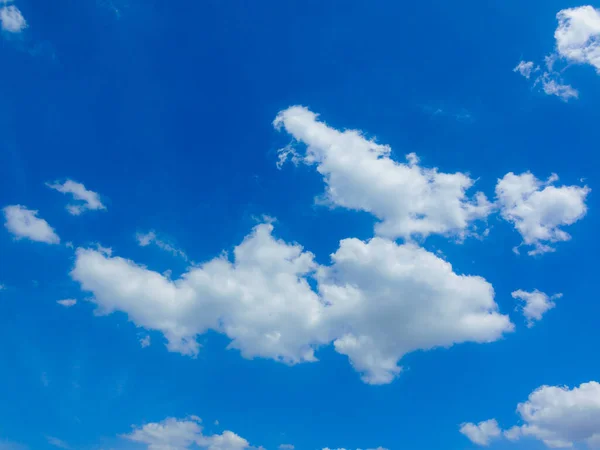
x=539, y=210
x=535, y=304
x=558, y=416
x=482, y=433
x=578, y=35
x=376, y=302
x=11, y=18
x=85, y=199
x=408, y=199
x=24, y=223
x=183, y=434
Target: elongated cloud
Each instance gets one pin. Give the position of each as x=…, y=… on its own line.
x=359, y=174
x=376, y=302
x=84, y=199
x=24, y=223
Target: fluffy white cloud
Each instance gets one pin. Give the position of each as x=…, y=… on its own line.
x=182, y=434
x=24, y=223
x=578, y=35
x=359, y=174
x=481, y=433
x=561, y=417
x=525, y=68
x=11, y=19
x=376, y=302
x=536, y=304
x=145, y=239
x=539, y=209
x=67, y=303
x=85, y=199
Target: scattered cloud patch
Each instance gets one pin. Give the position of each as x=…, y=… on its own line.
x=539, y=209
x=145, y=239
x=482, y=433
x=359, y=174
x=24, y=223
x=85, y=200
x=57, y=443
x=11, y=18
x=554, y=86
x=183, y=434
x=525, y=68
x=376, y=302
x=535, y=304
x=67, y=303
x=145, y=341
x=286, y=447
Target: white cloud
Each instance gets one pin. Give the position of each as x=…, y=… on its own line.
x=578, y=35
x=409, y=200
x=376, y=302
x=11, y=19
x=182, y=434
x=525, y=68
x=57, y=442
x=24, y=223
x=539, y=209
x=481, y=433
x=145, y=239
x=286, y=447
x=145, y=341
x=561, y=417
x=552, y=85
x=67, y=303
x=536, y=304
x=86, y=199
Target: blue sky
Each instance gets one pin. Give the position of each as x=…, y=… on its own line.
x=345, y=225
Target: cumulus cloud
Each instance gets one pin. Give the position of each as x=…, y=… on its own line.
x=67, y=303
x=145, y=239
x=183, y=434
x=539, y=210
x=376, y=302
x=560, y=417
x=359, y=174
x=24, y=223
x=481, y=433
x=536, y=304
x=578, y=35
x=11, y=18
x=553, y=85
x=84, y=199
x=525, y=68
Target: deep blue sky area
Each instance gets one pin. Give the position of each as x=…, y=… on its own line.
x=166, y=110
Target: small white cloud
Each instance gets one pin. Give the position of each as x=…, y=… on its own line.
x=539, y=210
x=286, y=447
x=11, y=19
x=67, y=303
x=578, y=35
x=525, y=68
x=552, y=86
x=183, y=434
x=86, y=199
x=145, y=341
x=536, y=304
x=560, y=417
x=145, y=239
x=481, y=433
x=24, y=223
x=57, y=442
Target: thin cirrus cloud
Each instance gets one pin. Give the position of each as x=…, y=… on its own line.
x=145, y=239
x=535, y=304
x=67, y=302
x=359, y=174
x=577, y=41
x=262, y=301
x=539, y=210
x=85, y=200
x=559, y=416
x=11, y=18
x=24, y=223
